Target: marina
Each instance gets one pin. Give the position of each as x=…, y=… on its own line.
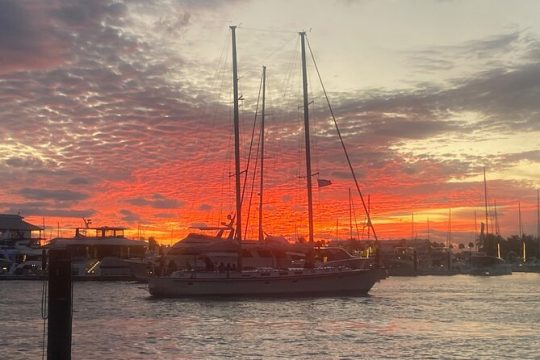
x=269, y=180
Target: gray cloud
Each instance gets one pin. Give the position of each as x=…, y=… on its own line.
x=533, y=155
x=57, y=195
x=24, y=162
x=205, y=207
x=507, y=99
x=157, y=201
x=129, y=216
x=34, y=209
x=81, y=13
x=79, y=181
x=164, y=216
x=27, y=39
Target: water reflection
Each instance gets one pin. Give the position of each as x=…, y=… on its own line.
x=422, y=317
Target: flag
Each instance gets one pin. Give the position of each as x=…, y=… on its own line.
x=323, y=182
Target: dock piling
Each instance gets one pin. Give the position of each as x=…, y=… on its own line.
x=60, y=306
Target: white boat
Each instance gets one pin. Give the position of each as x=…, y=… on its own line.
x=236, y=280
x=294, y=282
x=100, y=251
x=20, y=250
x=201, y=252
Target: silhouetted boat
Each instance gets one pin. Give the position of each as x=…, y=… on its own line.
x=20, y=250
x=101, y=251
x=309, y=280
x=486, y=265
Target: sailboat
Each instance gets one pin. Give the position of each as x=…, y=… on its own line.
x=308, y=280
x=488, y=264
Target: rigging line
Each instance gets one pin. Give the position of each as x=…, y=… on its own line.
x=355, y=219
x=282, y=48
x=223, y=199
x=218, y=83
x=268, y=30
x=250, y=150
x=342, y=142
x=287, y=84
x=252, y=185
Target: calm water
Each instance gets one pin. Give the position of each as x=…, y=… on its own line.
x=459, y=317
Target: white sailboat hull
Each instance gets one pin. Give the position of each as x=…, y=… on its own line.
x=267, y=283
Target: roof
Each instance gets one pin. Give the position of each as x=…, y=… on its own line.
x=16, y=222
x=95, y=241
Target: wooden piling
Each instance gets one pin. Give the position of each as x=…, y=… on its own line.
x=60, y=306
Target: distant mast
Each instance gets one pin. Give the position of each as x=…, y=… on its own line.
x=523, y=249
x=538, y=222
x=307, y=140
x=428, y=228
x=495, y=221
x=238, y=228
x=261, y=233
x=449, y=236
x=412, y=226
x=486, y=201
x=475, y=231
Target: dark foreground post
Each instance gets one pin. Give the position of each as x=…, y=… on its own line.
x=59, y=315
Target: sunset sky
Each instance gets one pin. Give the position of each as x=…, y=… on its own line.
x=120, y=111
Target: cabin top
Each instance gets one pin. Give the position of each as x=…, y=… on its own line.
x=100, y=232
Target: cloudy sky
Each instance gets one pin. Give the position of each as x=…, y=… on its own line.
x=120, y=111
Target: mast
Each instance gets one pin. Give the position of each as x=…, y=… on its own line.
x=261, y=233
x=307, y=140
x=519, y=220
x=412, y=226
x=496, y=226
x=449, y=237
x=350, y=214
x=428, y=229
x=369, y=221
x=523, y=251
x=485, y=201
x=475, y=231
x=538, y=222
x=238, y=229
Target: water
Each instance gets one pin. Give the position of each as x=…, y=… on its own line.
x=457, y=317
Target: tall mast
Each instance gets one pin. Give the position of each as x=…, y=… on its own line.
x=306, y=133
x=238, y=228
x=412, y=226
x=428, y=228
x=475, y=231
x=495, y=227
x=369, y=221
x=519, y=220
x=523, y=250
x=449, y=237
x=538, y=222
x=261, y=233
x=350, y=214
x=485, y=201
